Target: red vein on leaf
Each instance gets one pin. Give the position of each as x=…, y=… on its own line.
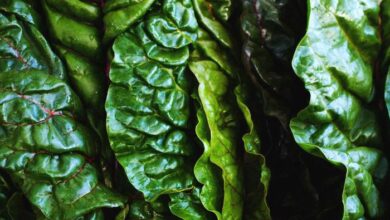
x=51, y=113
x=74, y=175
x=19, y=57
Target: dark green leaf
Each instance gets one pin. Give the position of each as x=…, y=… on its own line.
x=46, y=149
x=119, y=15
x=148, y=114
x=207, y=17
x=175, y=26
x=22, y=46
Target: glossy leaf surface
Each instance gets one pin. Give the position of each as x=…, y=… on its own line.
x=22, y=45
x=46, y=149
x=337, y=125
x=227, y=120
x=224, y=141
x=175, y=26
x=119, y=15
x=207, y=18
x=147, y=109
x=78, y=40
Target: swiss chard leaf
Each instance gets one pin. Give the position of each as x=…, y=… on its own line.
x=335, y=61
x=147, y=117
x=46, y=149
x=219, y=130
x=76, y=35
x=78, y=40
x=224, y=140
x=119, y=15
x=207, y=17
x=175, y=26
x=22, y=46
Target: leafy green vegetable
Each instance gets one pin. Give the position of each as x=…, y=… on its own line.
x=334, y=60
x=175, y=26
x=213, y=68
x=46, y=149
x=188, y=205
x=147, y=107
x=119, y=15
x=22, y=46
x=74, y=27
x=206, y=13
x=195, y=118
x=223, y=138
x=207, y=173
x=77, y=39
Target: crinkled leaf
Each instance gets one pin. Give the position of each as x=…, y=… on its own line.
x=22, y=9
x=186, y=205
x=206, y=172
x=175, y=26
x=257, y=174
x=159, y=53
x=147, y=117
x=207, y=17
x=119, y=15
x=22, y=46
x=74, y=26
x=82, y=51
x=224, y=140
x=213, y=50
x=337, y=71
x=45, y=148
x=256, y=182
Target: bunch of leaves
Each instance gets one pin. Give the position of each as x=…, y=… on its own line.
x=153, y=96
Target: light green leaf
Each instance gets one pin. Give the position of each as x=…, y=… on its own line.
x=334, y=60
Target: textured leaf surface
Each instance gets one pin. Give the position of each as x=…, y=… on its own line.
x=207, y=173
x=148, y=109
x=46, y=149
x=206, y=15
x=76, y=34
x=337, y=71
x=22, y=45
x=119, y=15
x=224, y=140
x=175, y=26
x=212, y=196
x=73, y=26
x=187, y=205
